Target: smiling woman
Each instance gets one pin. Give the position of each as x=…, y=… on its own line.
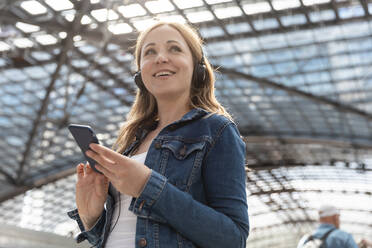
x=176, y=176
x=166, y=65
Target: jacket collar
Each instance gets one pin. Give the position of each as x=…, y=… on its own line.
x=193, y=114
x=141, y=133
x=326, y=226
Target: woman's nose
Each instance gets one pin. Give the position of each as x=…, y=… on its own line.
x=161, y=58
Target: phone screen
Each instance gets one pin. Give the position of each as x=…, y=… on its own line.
x=83, y=136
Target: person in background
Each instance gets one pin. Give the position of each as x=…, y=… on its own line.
x=364, y=243
x=176, y=176
x=329, y=218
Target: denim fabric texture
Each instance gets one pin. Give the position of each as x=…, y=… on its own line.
x=195, y=196
x=337, y=238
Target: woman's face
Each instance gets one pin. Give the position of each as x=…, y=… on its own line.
x=166, y=64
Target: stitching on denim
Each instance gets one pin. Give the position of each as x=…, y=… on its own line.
x=217, y=136
x=164, y=156
x=184, y=139
x=160, y=191
x=196, y=165
x=156, y=229
x=174, y=150
x=179, y=240
x=153, y=198
x=153, y=217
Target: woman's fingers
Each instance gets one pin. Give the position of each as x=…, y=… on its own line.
x=105, y=172
x=106, y=152
x=103, y=161
x=126, y=175
x=80, y=170
x=88, y=168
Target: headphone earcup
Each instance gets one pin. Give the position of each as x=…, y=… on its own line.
x=200, y=75
x=138, y=80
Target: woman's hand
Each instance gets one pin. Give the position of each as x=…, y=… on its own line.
x=127, y=175
x=91, y=194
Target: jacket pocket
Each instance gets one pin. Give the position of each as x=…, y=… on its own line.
x=183, y=161
x=181, y=150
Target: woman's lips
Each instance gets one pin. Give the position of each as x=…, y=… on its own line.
x=164, y=73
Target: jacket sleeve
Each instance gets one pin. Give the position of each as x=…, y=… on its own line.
x=350, y=242
x=223, y=222
x=94, y=234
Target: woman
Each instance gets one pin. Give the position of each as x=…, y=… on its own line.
x=177, y=177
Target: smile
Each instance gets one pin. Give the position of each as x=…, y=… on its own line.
x=163, y=73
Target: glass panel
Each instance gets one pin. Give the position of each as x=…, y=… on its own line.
x=351, y=11
x=265, y=24
x=293, y=20
x=322, y=15
x=246, y=44
x=211, y=32
x=280, y=55
x=236, y=28
x=219, y=48
x=273, y=41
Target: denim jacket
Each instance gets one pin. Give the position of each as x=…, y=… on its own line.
x=195, y=196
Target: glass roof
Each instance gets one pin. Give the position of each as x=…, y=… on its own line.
x=295, y=74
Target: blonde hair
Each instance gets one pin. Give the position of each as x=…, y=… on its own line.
x=144, y=109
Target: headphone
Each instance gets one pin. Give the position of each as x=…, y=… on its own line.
x=199, y=76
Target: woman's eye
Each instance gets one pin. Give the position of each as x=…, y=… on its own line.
x=175, y=49
x=149, y=51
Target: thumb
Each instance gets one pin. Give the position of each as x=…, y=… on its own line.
x=88, y=169
x=80, y=170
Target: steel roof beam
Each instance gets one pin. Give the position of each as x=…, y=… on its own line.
x=268, y=192
x=293, y=91
x=37, y=181
x=364, y=4
x=127, y=40
x=292, y=223
x=61, y=60
x=291, y=140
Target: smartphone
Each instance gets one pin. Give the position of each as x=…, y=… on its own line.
x=83, y=136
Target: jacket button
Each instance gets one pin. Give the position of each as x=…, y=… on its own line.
x=142, y=242
x=157, y=145
x=183, y=151
x=141, y=205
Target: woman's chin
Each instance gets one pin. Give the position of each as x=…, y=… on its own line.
x=170, y=94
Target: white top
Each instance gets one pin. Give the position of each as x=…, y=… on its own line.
x=124, y=233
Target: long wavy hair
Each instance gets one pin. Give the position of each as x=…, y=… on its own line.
x=144, y=109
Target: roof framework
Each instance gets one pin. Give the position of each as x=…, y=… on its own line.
x=295, y=74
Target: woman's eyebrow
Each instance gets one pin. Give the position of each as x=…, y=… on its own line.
x=172, y=41
x=150, y=44
x=153, y=44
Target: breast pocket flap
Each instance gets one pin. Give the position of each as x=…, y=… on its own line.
x=181, y=149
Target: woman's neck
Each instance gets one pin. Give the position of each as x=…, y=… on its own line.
x=168, y=113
